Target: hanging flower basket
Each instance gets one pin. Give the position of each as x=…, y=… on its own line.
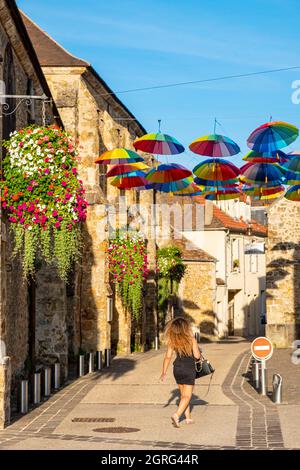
x=43, y=197
x=127, y=259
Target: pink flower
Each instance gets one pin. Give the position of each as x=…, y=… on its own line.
x=54, y=213
x=4, y=204
x=29, y=188
x=46, y=171
x=47, y=159
x=63, y=183
x=50, y=193
x=21, y=144
x=74, y=171
x=57, y=224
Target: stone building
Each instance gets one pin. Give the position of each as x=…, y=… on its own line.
x=237, y=245
x=20, y=74
x=99, y=121
x=283, y=273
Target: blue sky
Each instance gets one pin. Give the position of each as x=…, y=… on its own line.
x=139, y=43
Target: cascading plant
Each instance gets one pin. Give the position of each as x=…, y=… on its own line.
x=128, y=267
x=43, y=197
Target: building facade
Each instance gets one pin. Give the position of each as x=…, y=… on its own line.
x=237, y=244
x=20, y=74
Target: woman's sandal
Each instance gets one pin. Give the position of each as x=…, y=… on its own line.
x=175, y=421
x=189, y=421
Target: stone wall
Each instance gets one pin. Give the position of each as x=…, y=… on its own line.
x=14, y=290
x=283, y=273
x=197, y=295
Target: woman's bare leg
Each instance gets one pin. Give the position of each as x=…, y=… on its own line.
x=186, y=395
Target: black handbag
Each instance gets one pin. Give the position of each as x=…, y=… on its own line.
x=203, y=367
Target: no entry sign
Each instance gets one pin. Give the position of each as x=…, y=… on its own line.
x=261, y=348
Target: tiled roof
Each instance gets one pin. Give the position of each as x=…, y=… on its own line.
x=221, y=219
x=191, y=252
x=49, y=52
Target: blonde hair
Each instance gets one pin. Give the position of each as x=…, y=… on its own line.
x=178, y=335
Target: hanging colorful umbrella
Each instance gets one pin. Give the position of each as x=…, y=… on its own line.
x=262, y=192
x=223, y=194
x=216, y=170
x=119, y=170
x=293, y=193
x=191, y=190
x=173, y=186
x=272, y=136
x=119, y=156
x=212, y=183
x=214, y=145
x=135, y=179
x=166, y=173
x=261, y=173
x=160, y=144
x=274, y=157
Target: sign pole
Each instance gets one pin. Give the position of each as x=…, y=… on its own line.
x=263, y=378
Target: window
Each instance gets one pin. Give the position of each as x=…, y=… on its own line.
x=235, y=254
x=253, y=263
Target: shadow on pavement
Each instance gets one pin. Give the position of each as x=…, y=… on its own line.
x=175, y=395
x=118, y=368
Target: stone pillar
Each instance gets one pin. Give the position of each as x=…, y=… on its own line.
x=5, y=381
x=283, y=273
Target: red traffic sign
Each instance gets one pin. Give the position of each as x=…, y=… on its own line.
x=261, y=348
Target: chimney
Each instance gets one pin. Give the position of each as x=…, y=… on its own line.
x=208, y=212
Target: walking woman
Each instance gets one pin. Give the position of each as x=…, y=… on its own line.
x=179, y=338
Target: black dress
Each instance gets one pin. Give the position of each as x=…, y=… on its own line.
x=184, y=370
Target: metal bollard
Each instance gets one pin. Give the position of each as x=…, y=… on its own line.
x=156, y=343
x=255, y=374
x=263, y=379
x=57, y=376
x=24, y=397
x=99, y=360
x=47, y=381
x=277, y=388
x=37, y=388
x=81, y=365
x=107, y=357
x=91, y=363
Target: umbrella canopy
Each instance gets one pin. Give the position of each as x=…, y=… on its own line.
x=211, y=183
x=135, y=179
x=261, y=173
x=119, y=170
x=214, y=145
x=272, y=136
x=173, y=186
x=119, y=155
x=224, y=194
x=166, y=173
x=263, y=193
x=216, y=170
x=160, y=144
x=293, y=193
x=274, y=157
x=191, y=190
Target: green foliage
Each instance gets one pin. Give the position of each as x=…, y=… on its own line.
x=127, y=258
x=171, y=270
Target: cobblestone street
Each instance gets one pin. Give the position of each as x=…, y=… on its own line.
x=125, y=407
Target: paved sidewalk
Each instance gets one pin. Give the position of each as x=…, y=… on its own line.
x=94, y=411
x=126, y=407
